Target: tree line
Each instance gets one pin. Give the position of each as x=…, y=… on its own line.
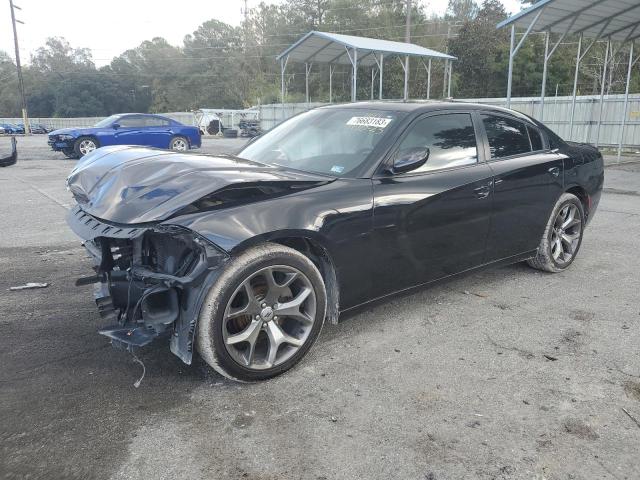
x=222, y=66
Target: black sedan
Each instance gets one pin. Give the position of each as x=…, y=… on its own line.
x=243, y=257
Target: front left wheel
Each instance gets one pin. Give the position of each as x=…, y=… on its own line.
x=263, y=313
x=85, y=145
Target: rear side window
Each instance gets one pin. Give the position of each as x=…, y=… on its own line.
x=536, y=139
x=156, y=122
x=506, y=136
x=450, y=138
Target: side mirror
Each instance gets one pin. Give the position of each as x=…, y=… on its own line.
x=115, y=126
x=410, y=159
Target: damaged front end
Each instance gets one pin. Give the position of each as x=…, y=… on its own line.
x=150, y=280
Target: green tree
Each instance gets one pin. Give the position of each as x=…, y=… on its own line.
x=481, y=50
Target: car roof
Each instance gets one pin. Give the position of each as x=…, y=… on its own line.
x=143, y=114
x=425, y=106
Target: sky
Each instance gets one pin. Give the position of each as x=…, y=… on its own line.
x=110, y=27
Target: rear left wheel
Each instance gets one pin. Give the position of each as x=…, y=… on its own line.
x=263, y=314
x=179, y=144
x=562, y=236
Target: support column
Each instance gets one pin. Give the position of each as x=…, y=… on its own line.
x=575, y=88
x=373, y=79
x=429, y=80
x=544, y=74
x=449, y=83
x=626, y=102
x=381, y=68
x=513, y=49
x=444, y=79
x=510, y=74
x=331, y=69
x=307, y=70
x=406, y=78
x=283, y=65
x=354, y=76
x=602, y=83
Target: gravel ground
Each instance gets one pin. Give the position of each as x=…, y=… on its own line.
x=506, y=373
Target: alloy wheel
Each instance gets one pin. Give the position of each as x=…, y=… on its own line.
x=565, y=234
x=86, y=146
x=269, y=317
x=179, y=144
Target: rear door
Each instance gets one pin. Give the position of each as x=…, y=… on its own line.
x=157, y=132
x=433, y=222
x=528, y=179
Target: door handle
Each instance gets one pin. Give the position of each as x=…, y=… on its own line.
x=555, y=171
x=483, y=191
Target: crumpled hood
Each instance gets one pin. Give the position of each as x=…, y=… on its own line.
x=133, y=185
x=72, y=131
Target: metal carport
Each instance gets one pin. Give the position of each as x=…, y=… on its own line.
x=613, y=20
x=337, y=49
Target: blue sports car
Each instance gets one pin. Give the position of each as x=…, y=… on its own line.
x=12, y=128
x=125, y=129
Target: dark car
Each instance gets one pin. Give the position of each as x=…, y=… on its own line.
x=244, y=257
x=8, y=151
x=36, y=128
x=12, y=128
x=126, y=129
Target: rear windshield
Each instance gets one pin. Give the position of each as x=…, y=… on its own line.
x=331, y=141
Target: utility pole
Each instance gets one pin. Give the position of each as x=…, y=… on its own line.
x=407, y=38
x=25, y=118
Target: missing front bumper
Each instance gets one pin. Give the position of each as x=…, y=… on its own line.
x=151, y=280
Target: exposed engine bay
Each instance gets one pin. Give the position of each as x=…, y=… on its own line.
x=149, y=280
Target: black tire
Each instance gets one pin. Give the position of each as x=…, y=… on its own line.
x=179, y=144
x=544, y=259
x=69, y=153
x=79, y=148
x=209, y=335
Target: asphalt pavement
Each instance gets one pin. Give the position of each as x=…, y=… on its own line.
x=507, y=373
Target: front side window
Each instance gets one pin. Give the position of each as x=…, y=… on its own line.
x=450, y=138
x=331, y=141
x=106, y=122
x=506, y=136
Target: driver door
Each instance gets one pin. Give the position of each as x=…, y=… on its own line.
x=131, y=131
x=433, y=221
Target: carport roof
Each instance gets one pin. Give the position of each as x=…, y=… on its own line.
x=616, y=19
x=325, y=47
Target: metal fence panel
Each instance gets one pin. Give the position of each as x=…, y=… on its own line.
x=273, y=114
x=53, y=123
x=557, y=115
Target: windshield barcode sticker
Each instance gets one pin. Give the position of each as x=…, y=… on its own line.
x=376, y=122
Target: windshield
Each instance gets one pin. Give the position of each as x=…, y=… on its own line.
x=328, y=141
x=107, y=121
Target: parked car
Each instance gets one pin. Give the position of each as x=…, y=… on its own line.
x=12, y=129
x=244, y=257
x=36, y=128
x=125, y=129
x=2, y=130
x=8, y=151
